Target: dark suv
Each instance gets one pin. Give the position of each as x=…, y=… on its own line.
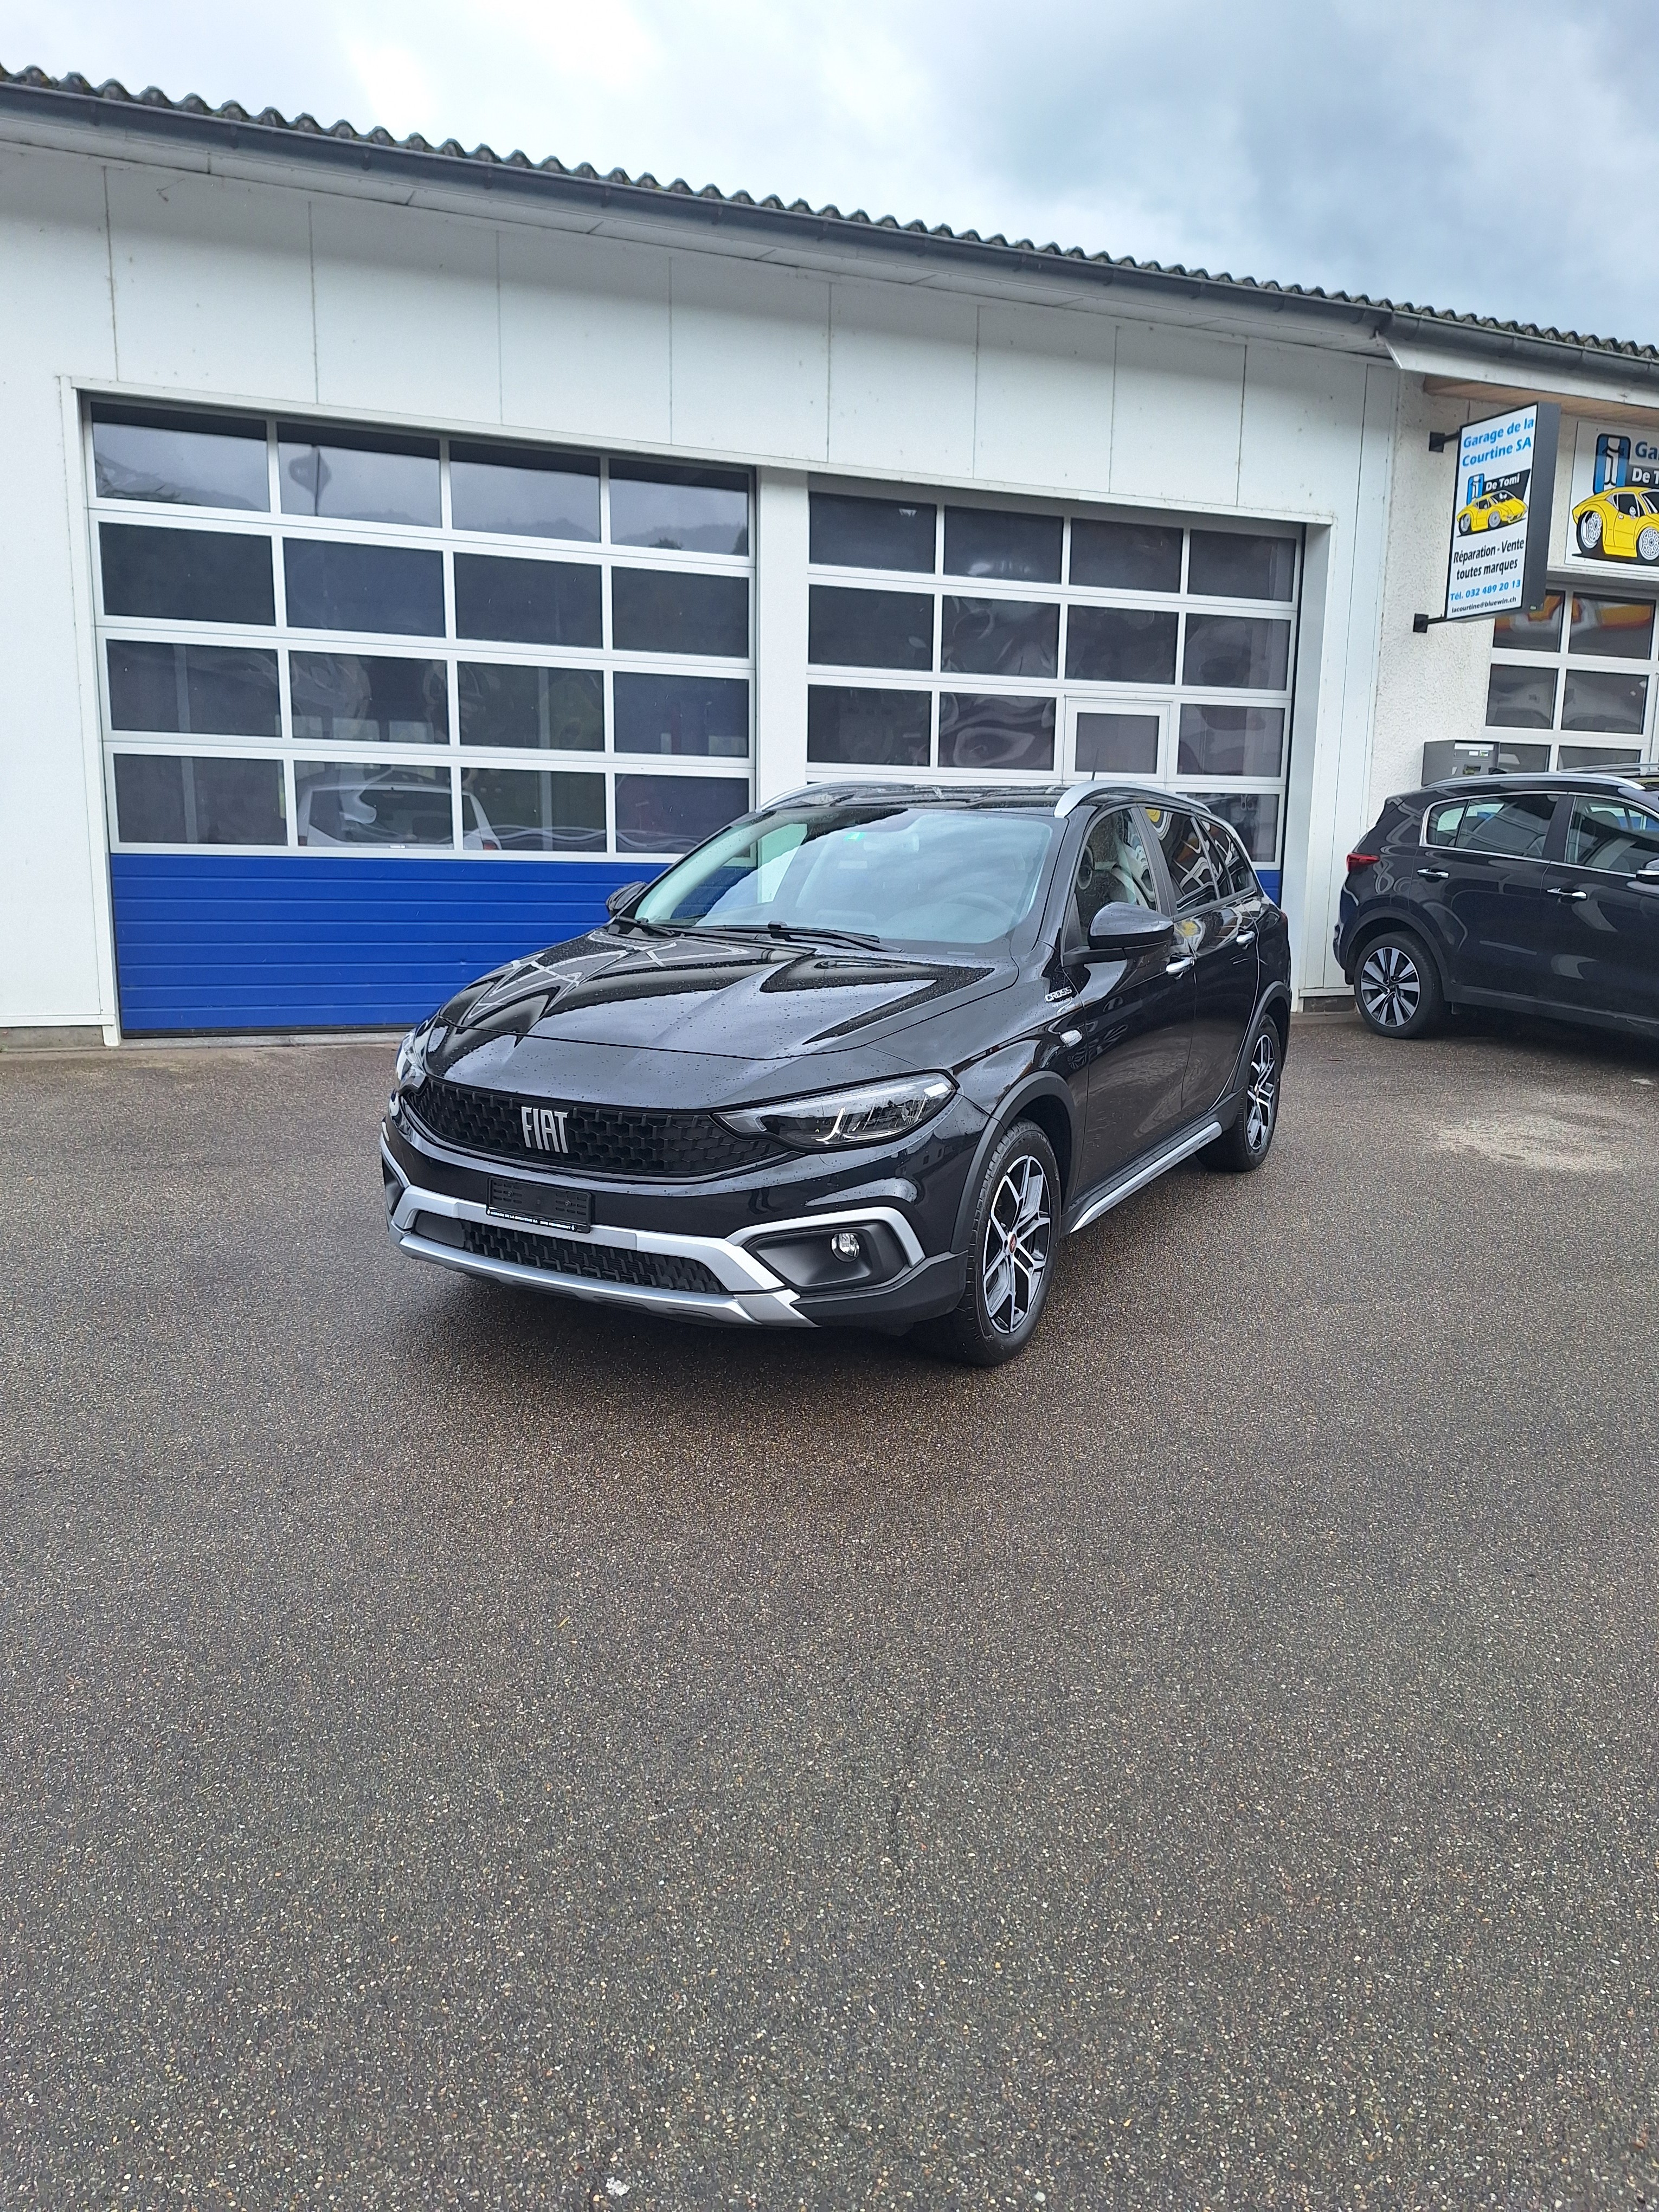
x=1535, y=892
x=863, y=1057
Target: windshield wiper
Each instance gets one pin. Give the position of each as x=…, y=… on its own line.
x=808, y=933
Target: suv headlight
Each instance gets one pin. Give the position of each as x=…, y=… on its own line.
x=411, y=1059
x=863, y=1115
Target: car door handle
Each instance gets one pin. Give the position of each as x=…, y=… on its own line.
x=1245, y=937
x=1180, y=967
x=1560, y=891
x=1434, y=875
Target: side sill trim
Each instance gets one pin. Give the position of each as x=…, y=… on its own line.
x=1101, y=1202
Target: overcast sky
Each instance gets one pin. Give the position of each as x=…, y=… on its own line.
x=1488, y=155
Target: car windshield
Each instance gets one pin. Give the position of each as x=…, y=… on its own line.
x=933, y=875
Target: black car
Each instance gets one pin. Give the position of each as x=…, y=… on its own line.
x=863, y=1057
x=1539, y=893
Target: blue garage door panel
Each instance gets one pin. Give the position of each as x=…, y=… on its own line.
x=303, y=941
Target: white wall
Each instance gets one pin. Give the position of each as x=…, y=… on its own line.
x=283, y=293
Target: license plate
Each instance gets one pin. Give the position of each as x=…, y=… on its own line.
x=541, y=1202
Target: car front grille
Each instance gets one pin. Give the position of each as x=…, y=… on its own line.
x=594, y=1263
x=615, y=1140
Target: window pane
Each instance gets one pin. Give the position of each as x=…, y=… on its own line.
x=1228, y=564
x=986, y=731
x=1599, y=757
x=226, y=691
x=705, y=715
x=1520, y=698
x=871, y=533
x=1606, y=834
x=168, y=801
x=868, y=729
x=529, y=602
x=1613, y=628
x=672, y=813
x=1597, y=699
x=1537, y=632
x=514, y=810
x=1117, y=745
x=871, y=630
x=335, y=585
x=1244, y=652
x=1187, y=857
x=1114, y=868
x=1126, y=557
x=688, y=510
x=1233, y=872
x=1255, y=815
x=348, y=699
x=190, y=460
x=1000, y=637
x=366, y=803
x=358, y=475
x=980, y=541
x=558, y=709
x=660, y=611
x=1231, y=740
x=1120, y=645
x=1515, y=828
x=186, y=576
x=524, y=495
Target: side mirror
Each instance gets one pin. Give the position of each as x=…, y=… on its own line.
x=1121, y=932
x=622, y=899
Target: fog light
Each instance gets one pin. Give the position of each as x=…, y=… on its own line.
x=845, y=1245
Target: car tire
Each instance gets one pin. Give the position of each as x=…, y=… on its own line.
x=1463, y=526
x=1241, y=1149
x=1396, y=986
x=1647, y=545
x=1589, y=533
x=1002, y=1303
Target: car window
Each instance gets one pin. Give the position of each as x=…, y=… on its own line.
x=1113, y=865
x=1515, y=828
x=1233, y=871
x=1185, y=856
x=1606, y=834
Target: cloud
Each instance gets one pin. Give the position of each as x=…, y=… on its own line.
x=1485, y=155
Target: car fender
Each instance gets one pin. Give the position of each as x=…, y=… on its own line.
x=1041, y=1082
x=1389, y=910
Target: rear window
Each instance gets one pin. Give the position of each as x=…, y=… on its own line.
x=1515, y=828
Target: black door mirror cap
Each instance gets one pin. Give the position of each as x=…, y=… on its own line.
x=1119, y=931
x=623, y=898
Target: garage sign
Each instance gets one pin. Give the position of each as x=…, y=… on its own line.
x=1614, y=521
x=1500, y=524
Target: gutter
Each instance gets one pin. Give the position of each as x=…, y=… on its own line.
x=378, y=155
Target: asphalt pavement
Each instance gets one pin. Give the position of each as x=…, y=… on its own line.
x=461, y=1748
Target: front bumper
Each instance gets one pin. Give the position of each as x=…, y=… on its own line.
x=438, y=1209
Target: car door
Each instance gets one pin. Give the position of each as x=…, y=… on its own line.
x=1208, y=933
x=1487, y=878
x=1132, y=1018
x=1606, y=957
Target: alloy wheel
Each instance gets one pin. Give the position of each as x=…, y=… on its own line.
x=1261, y=1098
x=1018, y=1233
x=1390, y=988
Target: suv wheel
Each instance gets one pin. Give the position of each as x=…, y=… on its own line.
x=1015, y=1230
x=1242, y=1148
x=1396, y=986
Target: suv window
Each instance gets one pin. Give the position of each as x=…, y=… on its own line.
x=1606, y=834
x=1233, y=870
x=1185, y=857
x=1113, y=865
x=1515, y=828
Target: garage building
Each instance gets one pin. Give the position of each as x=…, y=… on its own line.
x=407, y=546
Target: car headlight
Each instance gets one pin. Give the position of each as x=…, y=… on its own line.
x=411, y=1059
x=863, y=1115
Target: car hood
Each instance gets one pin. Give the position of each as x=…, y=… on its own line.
x=688, y=1022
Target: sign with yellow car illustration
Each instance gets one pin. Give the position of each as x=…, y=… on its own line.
x=1614, y=522
x=1501, y=512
